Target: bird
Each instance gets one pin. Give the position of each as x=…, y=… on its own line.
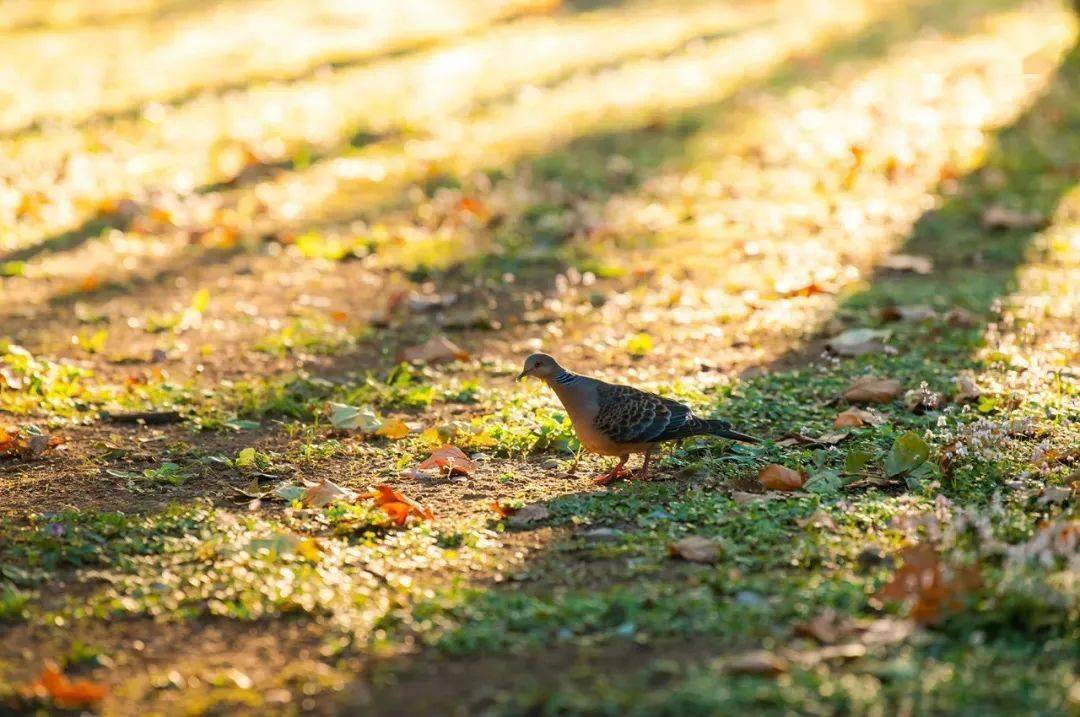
x=615, y=420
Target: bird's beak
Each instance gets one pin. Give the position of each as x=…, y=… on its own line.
x=523, y=374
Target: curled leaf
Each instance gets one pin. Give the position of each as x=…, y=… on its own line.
x=392, y=502
x=324, y=493
x=450, y=459
x=857, y=417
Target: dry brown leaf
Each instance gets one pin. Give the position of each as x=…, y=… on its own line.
x=436, y=349
x=871, y=389
x=696, y=549
x=326, y=492
x=908, y=262
x=856, y=417
x=757, y=662
x=961, y=318
x=997, y=217
x=54, y=686
x=799, y=439
x=450, y=459
x=777, y=477
x=857, y=342
x=923, y=582
x=917, y=312
x=965, y=390
x=528, y=514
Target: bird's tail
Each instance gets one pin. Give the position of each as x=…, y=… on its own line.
x=723, y=430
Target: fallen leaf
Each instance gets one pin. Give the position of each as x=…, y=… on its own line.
x=398, y=506
x=528, y=514
x=54, y=686
x=997, y=217
x=451, y=459
x=871, y=389
x=799, y=439
x=961, y=318
x=696, y=549
x=436, y=349
x=827, y=627
x=908, y=262
x=857, y=417
x=326, y=492
x=924, y=584
x=393, y=428
x=965, y=390
x=345, y=418
x=908, y=452
x=777, y=477
x=857, y=342
x=757, y=662
x=917, y=312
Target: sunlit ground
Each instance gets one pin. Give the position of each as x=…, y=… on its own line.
x=224, y=216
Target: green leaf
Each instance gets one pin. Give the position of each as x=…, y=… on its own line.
x=827, y=481
x=289, y=492
x=242, y=425
x=856, y=460
x=908, y=452
x=344, y=418
x=245, y=458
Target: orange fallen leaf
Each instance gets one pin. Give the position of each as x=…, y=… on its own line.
x=871, y=389
x=398, y=512
x=89, y=283
x=51, y=684
x=504, y=509
x=777, y=477
x=473, y=206
x=856, y=417
x=436, y=349
x=339, y=317
x=923, y=582
x=451, y=459
x=389, y=500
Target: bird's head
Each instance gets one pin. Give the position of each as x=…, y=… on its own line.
x=540, y=365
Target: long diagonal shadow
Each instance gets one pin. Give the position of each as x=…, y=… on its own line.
x=648, y=146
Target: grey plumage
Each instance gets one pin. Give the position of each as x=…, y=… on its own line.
x=630, y=415
x=618, y=420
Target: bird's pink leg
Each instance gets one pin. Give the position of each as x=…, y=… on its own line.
x=613, y=474
x=644, y=473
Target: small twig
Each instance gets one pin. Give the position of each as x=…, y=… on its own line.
x=147, y=417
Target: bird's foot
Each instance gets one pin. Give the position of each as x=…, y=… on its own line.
x=612, y=475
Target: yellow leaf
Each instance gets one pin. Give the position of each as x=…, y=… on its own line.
x=393, y=428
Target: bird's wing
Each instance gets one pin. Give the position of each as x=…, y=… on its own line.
x=628, y=415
